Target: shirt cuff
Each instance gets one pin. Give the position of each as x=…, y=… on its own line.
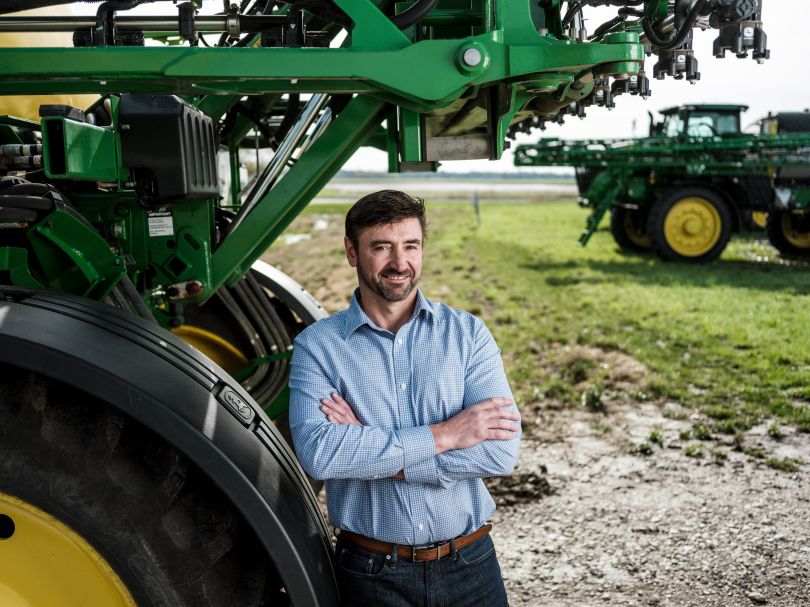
x=417, y=445
x=425, y=472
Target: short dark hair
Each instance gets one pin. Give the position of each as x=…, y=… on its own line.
x=382, y=208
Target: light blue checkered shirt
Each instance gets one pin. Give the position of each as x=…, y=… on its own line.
x=441, y=361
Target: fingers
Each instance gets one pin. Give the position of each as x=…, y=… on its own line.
x=501, y=434
x=338, y=411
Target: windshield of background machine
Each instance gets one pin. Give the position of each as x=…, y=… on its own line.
x=710, y=124
x=673, y=125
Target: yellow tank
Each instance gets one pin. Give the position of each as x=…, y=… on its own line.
x=28, y=106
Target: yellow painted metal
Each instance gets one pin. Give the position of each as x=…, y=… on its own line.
x=692, y=227
x=220, y=350
x=638, y=237
x=760, y=218
x=45, y=562
x=27, y=106
x=800, y=240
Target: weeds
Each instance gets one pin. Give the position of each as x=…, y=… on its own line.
x=694, y=450
x=656, y=437
x=592, y=398
x=644, y=448
x=702, y=432
x=785, y=464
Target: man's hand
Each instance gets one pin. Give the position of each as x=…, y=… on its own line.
x=338, y=411
x=490, y=419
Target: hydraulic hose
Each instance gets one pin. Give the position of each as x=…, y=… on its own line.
x=414, y=14
x=680, y=37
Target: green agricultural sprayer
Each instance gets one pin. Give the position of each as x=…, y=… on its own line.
x=694, y=181
x=133, y=469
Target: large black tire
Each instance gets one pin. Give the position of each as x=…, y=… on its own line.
x=690, y=224
x=789, y=232
x=629, y=229
x=172, y=538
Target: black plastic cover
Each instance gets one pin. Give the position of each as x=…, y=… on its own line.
x=169, y=146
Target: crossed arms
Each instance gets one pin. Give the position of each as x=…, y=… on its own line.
x=331, y=441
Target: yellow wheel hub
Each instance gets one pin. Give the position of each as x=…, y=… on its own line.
x=221, y=351
x=44, y=562
x=692, y=227
x=800, y=240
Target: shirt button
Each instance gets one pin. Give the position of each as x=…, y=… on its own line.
x=421, y=526
x=376, y=476
x=402, y=386
x=399, y=341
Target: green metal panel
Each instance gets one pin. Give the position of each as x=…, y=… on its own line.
x=411, y=136
x=73, y=257
x=14, y=261
x=76, y=150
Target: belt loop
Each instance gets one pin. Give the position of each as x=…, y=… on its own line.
x=453, y=550
x=392, y=558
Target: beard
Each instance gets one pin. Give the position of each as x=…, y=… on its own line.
x=398, y=292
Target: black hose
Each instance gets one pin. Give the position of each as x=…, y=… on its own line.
x=119, y=5
x=135, y=298
x=680, y=37
x=414, y=14
x=573, y=9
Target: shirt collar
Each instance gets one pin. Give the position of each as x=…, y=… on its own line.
x=356, y=317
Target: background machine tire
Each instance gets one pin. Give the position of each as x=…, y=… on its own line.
x=161, y=526
x=690, y=224
x=629, y=230
x=789, y=232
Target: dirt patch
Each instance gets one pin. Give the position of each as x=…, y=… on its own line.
x=520, y=487
x=660, y=530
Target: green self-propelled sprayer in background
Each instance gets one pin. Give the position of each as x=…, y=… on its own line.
x=695, y=180
x=143, y=348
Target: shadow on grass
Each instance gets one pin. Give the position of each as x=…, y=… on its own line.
x=646, y=269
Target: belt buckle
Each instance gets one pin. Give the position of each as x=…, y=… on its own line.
x=424, y=547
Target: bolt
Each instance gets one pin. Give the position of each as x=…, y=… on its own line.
x=472, y=57
x=194, y=288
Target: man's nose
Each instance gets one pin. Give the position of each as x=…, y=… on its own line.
x=399, y=259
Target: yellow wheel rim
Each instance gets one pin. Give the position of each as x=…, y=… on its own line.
x=692, y=227
x=221, y=351
x=800, y=240
x=636, y=237
x=760, y=218
x=44, y=562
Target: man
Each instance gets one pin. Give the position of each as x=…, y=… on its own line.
x=402, y=406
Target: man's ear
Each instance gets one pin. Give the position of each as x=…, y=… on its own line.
x=351, y=253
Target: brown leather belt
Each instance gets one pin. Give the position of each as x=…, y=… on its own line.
x=415, y=553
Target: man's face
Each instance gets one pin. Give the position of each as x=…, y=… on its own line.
x=388, y=258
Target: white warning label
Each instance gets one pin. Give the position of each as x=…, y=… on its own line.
x=160, y=223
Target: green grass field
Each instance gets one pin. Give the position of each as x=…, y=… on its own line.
x=730, y=339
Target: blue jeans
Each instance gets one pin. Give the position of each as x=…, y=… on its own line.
x=469, y=577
